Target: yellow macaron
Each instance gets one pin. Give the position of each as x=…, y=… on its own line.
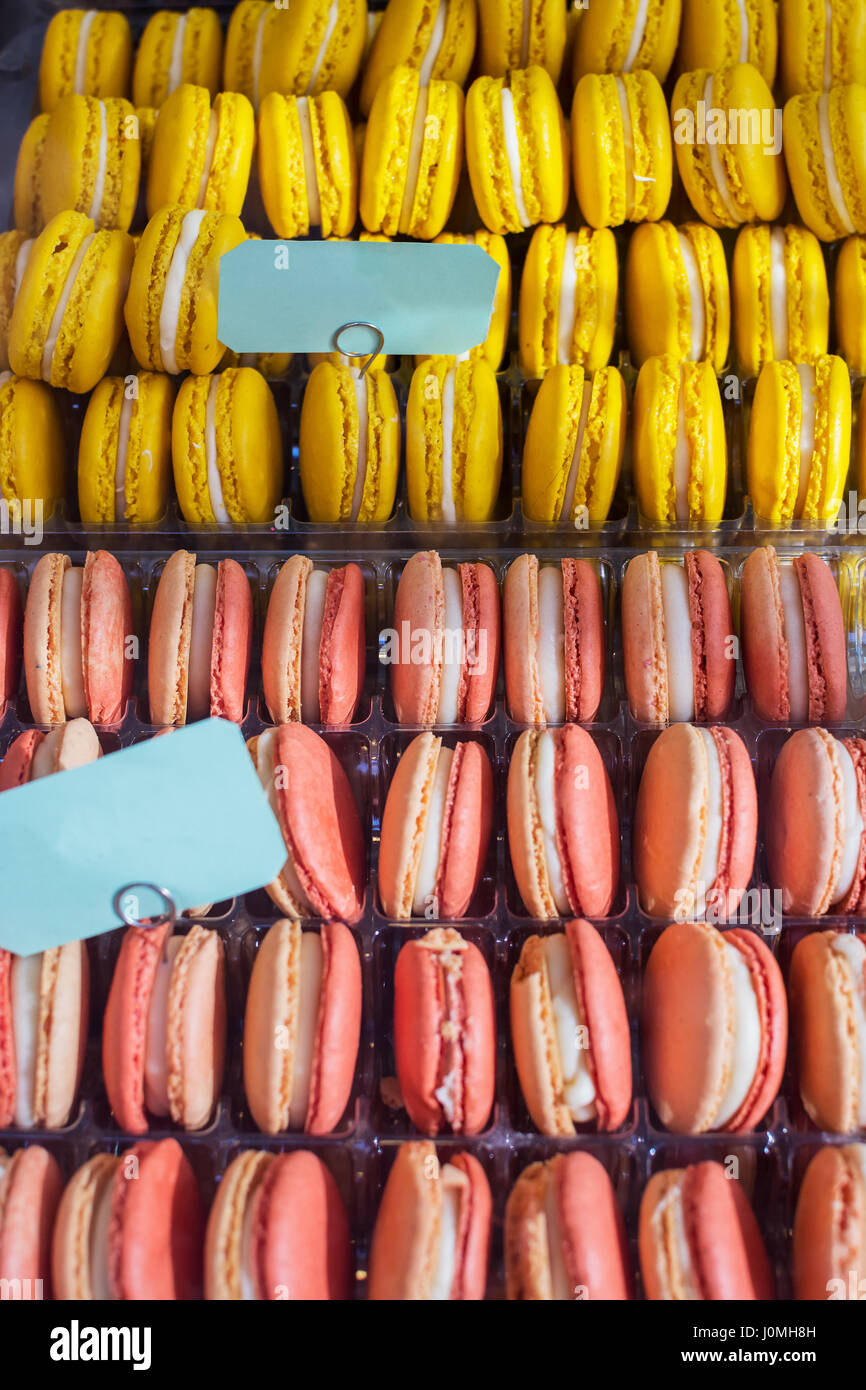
x=124, y=456
x=349, y=444
x=226, y=449
x=27, y=192
x=821, y=45
x=861, y=446
x=313, y=46
x=680, y=456
x=171, y=309
x=826, y=158
x=91, y=161
x=521, y=34
x=14, y=252
x=626, y=36
x=307, y=169
x=413, y=153
x=574, y=446
x=176, y=48
x=849, y=301
x=677, y=295
x=437, y=39
x=68, y=314
x=621, y=143
x=249, y=39
x=32, y=446
x=781, y=300
x=202, y=152
x=799, y=440
x=453, y=441
x=85, y=51
x=517, y=150
x=493, y=347
x=568, y=299
x=714, y=33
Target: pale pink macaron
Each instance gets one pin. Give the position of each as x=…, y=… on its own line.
x=554, y=641
x=30, y=1188
x=35, y=754
x=313, y=650
x=44, y=1009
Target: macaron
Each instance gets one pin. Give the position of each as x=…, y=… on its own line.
x=714, y=1028
x=821, y=48
x=443, y=648
x=677, y=295
x=314, y=645
x=794, y=642
x=438, y=40
x=35, y=754
x=453, y=441
x=90, y=161
x=44, y=1009
x=517, y=150
x=827, y=997
x=781, y=300
x=564, y=1233
x=435, y=830
x=305, y=988
x=32, y=445
x=678, y=638
x=30, y=1187
x=198, y=654
x=302, y=1248
x=77, y=625
x=814, y=824
x=68, y=314
x=568, y=299
x=695, y=824
x=11, y=621
x=130, y=1226
x=432, y=1233
x=27, y=187
x=715, y=33
x=570, y=1033
x=699, y=1240
x=680, y=453
x=413, y=154
x=314, y=46
x=307, y=165
x=171, y=310
x=444, y=1033
x=312, y=799
x=85, y=51
x=248, y=48
x=226, y=448
x=799, y=440
x=826, y=167
x=124, y=455
x=829, y=1243
x=574, y=446
x=621, y=146
x=627, y=36
x=177, y=48
x=729, y=145
x=563, y=832
x=849, y=303
x=492, y=350
x=554, y=639
x=349, y=444
x=201, y=153
x=519, y=34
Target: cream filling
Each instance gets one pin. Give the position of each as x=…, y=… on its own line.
x=807, y=429
x=696, y=298
x=207, y=163
x=682, y=456
x=795, y=640
x=60, y=310
x=851, y=827
x=681, y=1256
x=265, y=753
x=25, y=987
x=311, y=182
x=71, y=647
x=778, y=294
x=169, y=312
x=4, y=377
x=309, y=994
x=311, y=642
x=175, y=70
x=99, y=181
x=258, y=51
x=717, y=168
x=567, y=300
x=550, y=643
x=362, y=403
x=746, y=1041
x=628, y=144
x=678, y=643
x=425, y=72
x=744, y=31
x=416, y=149
x=637, y=33
x=574, y=469
x=545, y=795
x=512, y=152
x=156, y=1046
x=578, y=1085
x=248, y=1281
x=100, y=1222
x=81, y=51
x=214, y=479
x=828, y=45
x=123, y=427
x=834, y=186
x=709, y=866
x=449, y=510
x=560, y=1284
x=21, y=264
x=333, y=16
x=431, y=847
x=453, y=643
x=852, y=951
x=201, y=641
x=451, y=1181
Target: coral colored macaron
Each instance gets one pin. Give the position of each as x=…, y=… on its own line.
x=314, y=646
x=554, y=639
x=34, y=754
x=568, y=299
x=177, y=48
x=517, y=150
x=85, y=51
x=44, y=1009
x=30, y=1187
x=829, y=1243
x=827, y=998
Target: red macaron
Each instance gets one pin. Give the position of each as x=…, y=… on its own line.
x=554, y=641
x=11, y=631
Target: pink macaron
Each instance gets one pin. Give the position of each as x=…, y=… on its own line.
x=554, y=641
x=313, y=650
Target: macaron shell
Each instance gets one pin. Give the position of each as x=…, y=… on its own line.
x=156, y=1234
x=232, y=642
x=201, y=55
x=594, y=1241
x=405, y=1236
x=420, y=603
x=600, y=158
x=148, y=452
x=342, y=653
x=195, y=1029
x=822, y=1015
x=283, y=637
x=828, y=1224
x=8, y=1065
x=769, y=987
x=72, y=152
x=303, y=1232
x=329, y=445
x=249, y=455
x=183, y=123
x=711, y=35
x=64, y=1004
x=604, y=35
x=807, y=163
x=849, y=305
x=800, y=823
x=169, y=640
x=42, y=640
x=713, y=646
x=473, y=1229
x=30, y=1188
x=18, y=759
x=645, y=661
x=295, y=47
x=807, y=300
x=403, y=824
x=106, y=626
x=282, y=170
x=481, y=617
x=602, y=1006
x=11, y=632
x=596, y=269
x=590, y=828
x=71, y=1269
x=466, y=833
x=540, y=126
x=406, y=35
x=125, y=1027
x=509, y=39
x=108, y=62
x=338, y=1030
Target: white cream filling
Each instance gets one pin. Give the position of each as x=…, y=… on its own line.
x=214, y=478
x=121, y=457
x=265, y=754
x=84, y=29
x=425, y=72
x=71, y=653
x=248, y=1281
x=201, y=641
x=311, y=182
x=258, y=51
x=156, y=1046
x=360, y=383
x=682, y=456
x=309, y=993
x=578, y=1085
x=545, y=794
x=806, y=374
x=560, y=1283
x=696, y=297
x=717, y=168
x=60, y=310
x=834, y=186
x=333, y=15
x=25, y=988
x=311, y=642
x=449, y=510
x=453, y=641
x=171, y=296
x=21, y=264
x=175, y=69
x=709, y=867
x=678, y=643
x=637, y=33
x=744, y=31
x=778, y=294
x=100, y=1222
x=446, y=1094
x=451, y=1181
x=413, y=165
x=512, y=151
x=746, y=1040
x=795, y=640
x=567, y=300
x=828, y=45
x=851, y=828
x=99, y=181
x=852, y=951
x=628, y=144
x=550, y=644
x=574, y=469
x=673, y=1202
x=431, y=846
x=207, y=163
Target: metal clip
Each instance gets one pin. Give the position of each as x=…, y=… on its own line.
x=169, y=917
x=373, y=355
